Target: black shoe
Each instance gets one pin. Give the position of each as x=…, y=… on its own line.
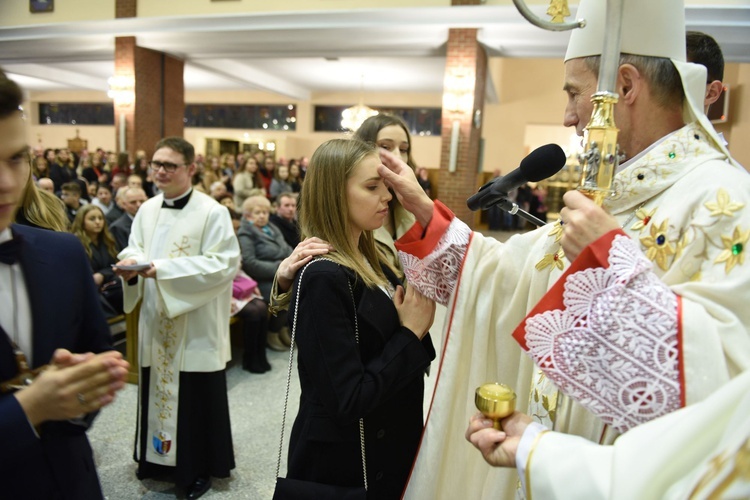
x=254, y=368
x=199, y=487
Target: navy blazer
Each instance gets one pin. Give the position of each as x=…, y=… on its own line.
x=381, y=378
x=66, y=314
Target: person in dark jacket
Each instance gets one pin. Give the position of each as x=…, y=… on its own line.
x=44, y=451
x=285, y=218
x=263, y=248
x=90, y=227
x=363, y=342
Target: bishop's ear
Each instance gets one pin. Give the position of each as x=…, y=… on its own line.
x=713, y=91
x=630, y=83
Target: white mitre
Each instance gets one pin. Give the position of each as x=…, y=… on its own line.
x=654, y=28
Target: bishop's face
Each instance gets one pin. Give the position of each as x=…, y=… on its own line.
x=580, y=85
x=14, y=167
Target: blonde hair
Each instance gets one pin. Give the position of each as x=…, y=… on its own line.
x=78, y=229
x=324, y=211
x=43, y=209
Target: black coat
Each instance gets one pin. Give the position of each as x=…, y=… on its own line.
x=381, y=379
x=120, y=230
x=290, y=229
x=65, y=313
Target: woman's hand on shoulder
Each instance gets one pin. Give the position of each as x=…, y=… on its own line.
x=301, y=255
x=415, y=311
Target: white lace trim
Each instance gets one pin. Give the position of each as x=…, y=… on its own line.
x=614, y=346
x=436, y=275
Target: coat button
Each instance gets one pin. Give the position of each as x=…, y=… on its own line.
x=379, y=476
x=381, y=434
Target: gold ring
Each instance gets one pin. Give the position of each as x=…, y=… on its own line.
x=81, y=399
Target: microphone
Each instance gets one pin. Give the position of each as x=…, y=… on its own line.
x=542, y=163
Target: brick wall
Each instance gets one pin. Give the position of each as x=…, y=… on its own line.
x=159, y=107
x=464, y=55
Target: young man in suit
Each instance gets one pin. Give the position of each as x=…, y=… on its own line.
x=46, y=409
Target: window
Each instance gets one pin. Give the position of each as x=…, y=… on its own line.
x=264, y=117
x=420, y=121
x=76, y=113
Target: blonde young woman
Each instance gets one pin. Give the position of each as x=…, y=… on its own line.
x=39, y=167
x=362, y=341
x=247, y=182
x=387, y=132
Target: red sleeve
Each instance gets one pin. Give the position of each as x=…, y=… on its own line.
x=420, y=242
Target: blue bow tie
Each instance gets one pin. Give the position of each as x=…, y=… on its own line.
x=11, y=250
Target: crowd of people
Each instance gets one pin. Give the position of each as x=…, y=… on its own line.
x=117, y=187
x=96, y=197
x=616, y=324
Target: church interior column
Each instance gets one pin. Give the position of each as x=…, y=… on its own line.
x=463, y=101
x=148, y=91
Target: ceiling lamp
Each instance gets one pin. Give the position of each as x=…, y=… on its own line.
x=352, y=118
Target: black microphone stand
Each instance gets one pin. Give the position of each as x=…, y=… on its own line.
x=512, y=208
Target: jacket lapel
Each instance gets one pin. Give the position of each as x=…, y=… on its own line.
x=35, y=266
x=375, y=308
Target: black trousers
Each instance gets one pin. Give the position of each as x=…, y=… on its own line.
x=203, y=428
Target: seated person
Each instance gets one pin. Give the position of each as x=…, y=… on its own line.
x=263, y=248
x=217, y=190
x=46, y=184
x=104, y=199
x=90, y=227
x=71, y=196
x=227, y=199
x=131, y=201
x=248, y=304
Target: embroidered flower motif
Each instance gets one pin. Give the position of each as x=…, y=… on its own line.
x=557, y=231
x=644, y=218
x=659, y=249
x=551, y=259
x=723, y=205
x=734, y=249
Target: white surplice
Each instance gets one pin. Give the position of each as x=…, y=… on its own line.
x=682, y=332
x=184, y=318
x=702, y=451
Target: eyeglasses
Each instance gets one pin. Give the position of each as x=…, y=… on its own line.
x=168, y=167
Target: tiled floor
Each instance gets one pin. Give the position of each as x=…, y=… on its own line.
x=255, y=402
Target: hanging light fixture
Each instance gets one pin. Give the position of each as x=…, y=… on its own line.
x=353, y=117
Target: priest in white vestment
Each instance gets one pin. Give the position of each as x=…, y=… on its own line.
x=185, y=244
x=634, y=310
